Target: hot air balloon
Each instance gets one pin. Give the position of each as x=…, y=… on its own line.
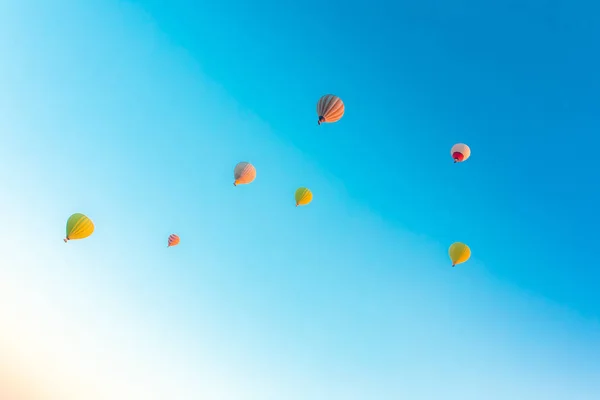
x=460, y=152
x=173, y=240
x=303, y=196
x=243, y=173
x=79, y=227
x=330, y=108
x=459, y=253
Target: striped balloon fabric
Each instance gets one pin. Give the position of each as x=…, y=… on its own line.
x=173, y=240
x=244, y=173
x=330, y=108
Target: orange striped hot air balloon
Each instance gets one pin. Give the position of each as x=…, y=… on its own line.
x=330, y=108
x=244, y=173
x=173, y=240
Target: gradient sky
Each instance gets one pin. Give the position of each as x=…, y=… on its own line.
x=135, y=113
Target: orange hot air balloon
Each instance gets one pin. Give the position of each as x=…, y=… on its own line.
x=460, y=152
x=243, y=173
x=330, y=108
x=173, y=240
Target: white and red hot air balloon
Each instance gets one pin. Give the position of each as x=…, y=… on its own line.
x=460, y=152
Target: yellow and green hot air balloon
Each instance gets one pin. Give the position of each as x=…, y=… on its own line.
x=459, y=253
x=79, y=227
x=303, y=196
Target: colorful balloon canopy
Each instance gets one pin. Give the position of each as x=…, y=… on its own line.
x=460, y=152
x=173, y=240
x=330, y=108
x=244, y=173
x=79, y=227
x=459, y=253
x=303, y=196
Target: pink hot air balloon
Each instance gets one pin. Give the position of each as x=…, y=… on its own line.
x=173, y=240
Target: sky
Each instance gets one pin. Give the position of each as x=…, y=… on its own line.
x=136, y=112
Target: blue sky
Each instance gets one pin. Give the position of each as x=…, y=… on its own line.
x=135, y=113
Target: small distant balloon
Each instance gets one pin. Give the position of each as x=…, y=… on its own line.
x=460, y=152
x=173, y=240
x=243, y=173
x=459, y=253
x=303, y=196
x=330, y=108
x=79, y=226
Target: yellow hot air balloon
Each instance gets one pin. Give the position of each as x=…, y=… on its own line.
x=459, y=253
x=79, y=227
x=303, y=196
x=244, y=173
x=330, y=108
x=460, y=152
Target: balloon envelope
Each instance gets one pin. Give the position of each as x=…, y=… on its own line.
x=173, y=240
x=459, y=253
x=303, y=196
x=79, y=226
x=460, y=152
x=243, y=173
x=330, y=108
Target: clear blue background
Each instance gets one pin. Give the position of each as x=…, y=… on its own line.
x=135, y=113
